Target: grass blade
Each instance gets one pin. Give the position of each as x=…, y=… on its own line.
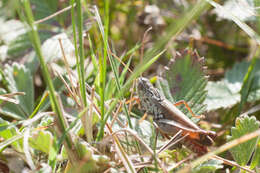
x=37, y=46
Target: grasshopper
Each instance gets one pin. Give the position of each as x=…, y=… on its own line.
x=170, y=120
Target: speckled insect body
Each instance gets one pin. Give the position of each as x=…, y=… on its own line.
x=170, y=119
x=150, y=98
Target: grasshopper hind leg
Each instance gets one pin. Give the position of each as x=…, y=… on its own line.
x=182, y=102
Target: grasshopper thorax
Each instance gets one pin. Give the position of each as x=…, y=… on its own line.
x=150, y=97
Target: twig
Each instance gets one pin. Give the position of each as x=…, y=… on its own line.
x=98, y=98
x=144, y=144
x=54, y=14
x=172, y=142
x=231, y=163
x=68, y=70
x=252, y=110
x=221, y=149
x=116, y=114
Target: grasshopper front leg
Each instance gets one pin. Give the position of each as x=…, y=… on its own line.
x=137, y=100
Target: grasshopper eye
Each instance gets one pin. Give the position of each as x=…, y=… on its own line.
x=155, y=94
x=149, y=93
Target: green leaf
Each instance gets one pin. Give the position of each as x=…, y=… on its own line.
x=244, y=10
x=256, y=158
x=243, y=152
x=209, y=166
x=246, y=28
x=15, y=38
x=19, y=79
x=18, y=46
x=10, y=30
x=7, y=131
x=185, y=80
x=226, y=93
x=41, y=140
x=95, y=163
x=46, y=121
x=98, y=163
x=220, y=96
x=22, y=44
x=51, y=49
x=144, y=129
x=254, y=92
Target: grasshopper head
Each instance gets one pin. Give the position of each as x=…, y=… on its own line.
x=146, y=90
x=143, y=84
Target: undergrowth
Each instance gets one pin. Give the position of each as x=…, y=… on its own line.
x=68, y=95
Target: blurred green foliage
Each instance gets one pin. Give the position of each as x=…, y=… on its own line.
x=119, y=47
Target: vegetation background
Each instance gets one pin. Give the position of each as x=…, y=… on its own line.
x=67, y=72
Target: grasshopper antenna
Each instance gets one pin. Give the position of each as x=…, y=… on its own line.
x=132, y=97
x=114, y=55
x=144, y=41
